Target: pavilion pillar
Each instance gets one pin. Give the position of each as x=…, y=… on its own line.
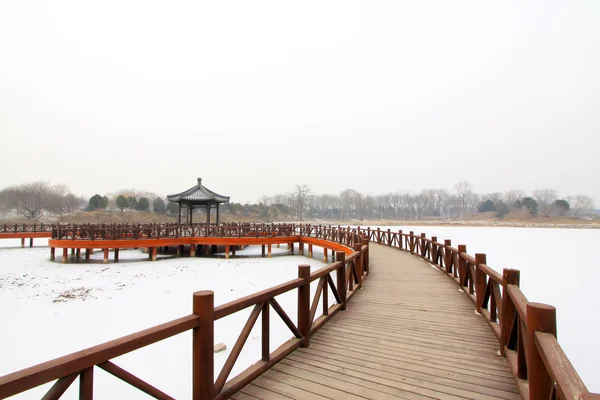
x=22, y=242
x=325, y=260
x=217, y=213
x=65, y=255
x=87, y=254
x=263, y=250
x=192, y=250
x=30, y=242
x=116, y=251
x=310, y=251
x=269, y=249
x=179, y=212
x=106, y=256
x=208, y=214
x=53, y=249
x=77, y=255
x=191, y=211
x=233, y=248
x=227, y=248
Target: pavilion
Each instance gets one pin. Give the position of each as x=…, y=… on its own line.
x=198, y=197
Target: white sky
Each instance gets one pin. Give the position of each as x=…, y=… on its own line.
x=257, y=96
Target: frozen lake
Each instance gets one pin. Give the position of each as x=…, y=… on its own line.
x=52, y=309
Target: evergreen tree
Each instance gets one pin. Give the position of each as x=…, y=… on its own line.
x=143, y=204
x=158, y=205
x=122, y=202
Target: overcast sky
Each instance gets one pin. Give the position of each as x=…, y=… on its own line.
x=257, y=96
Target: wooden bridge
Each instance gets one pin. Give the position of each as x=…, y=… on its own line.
x=429, y=321
x=409, y=334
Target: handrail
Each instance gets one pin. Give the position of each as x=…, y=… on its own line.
x=28, y=378
x=526, y=331
x=350, y=272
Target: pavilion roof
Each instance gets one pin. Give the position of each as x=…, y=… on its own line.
x=198, y=194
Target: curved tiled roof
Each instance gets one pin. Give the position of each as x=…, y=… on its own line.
x=198, y=193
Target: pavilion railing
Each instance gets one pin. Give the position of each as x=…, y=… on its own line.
x=162, y=231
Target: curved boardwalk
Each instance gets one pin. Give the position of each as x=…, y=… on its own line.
x=409, y=333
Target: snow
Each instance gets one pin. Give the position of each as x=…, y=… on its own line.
x=558, y=266
x=41, y=320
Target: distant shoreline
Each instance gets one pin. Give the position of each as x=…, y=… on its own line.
x=466, y=224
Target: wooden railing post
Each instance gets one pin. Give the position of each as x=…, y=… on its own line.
x=434, y=251
x=266, y=332
x=400, y=240
x=359, y=263
x=423, y=245
x=479, y=280
x=411, y=242
x=448, y=255
x=462, y=265
x=340, y=256
x=540, y=317
x=365, y=242
x=203, y=346
x=304, y=321
x=509, y=277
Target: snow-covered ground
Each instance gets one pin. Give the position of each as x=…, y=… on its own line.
x=49, y=309
x=560, y=267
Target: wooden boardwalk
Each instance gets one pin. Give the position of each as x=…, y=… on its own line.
x=409, y=333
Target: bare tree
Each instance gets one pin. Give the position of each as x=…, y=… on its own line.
x=29, y=199
x=580, y=205
x=301, y=197
x=513, y=196
x=545, y=199
x=464, y=192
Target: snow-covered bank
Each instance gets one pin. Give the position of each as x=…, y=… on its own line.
x=49, y=309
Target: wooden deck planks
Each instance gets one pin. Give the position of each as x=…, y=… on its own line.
x=410, y=333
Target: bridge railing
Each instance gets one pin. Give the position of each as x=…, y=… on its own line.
x=349, y=274
x=526, y=331
x=25, y=228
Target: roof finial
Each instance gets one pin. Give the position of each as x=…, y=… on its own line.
x=199, y=181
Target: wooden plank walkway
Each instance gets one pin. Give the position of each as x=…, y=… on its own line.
x=409, y=334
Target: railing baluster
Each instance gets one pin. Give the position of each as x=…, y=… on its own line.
x=86, y=384
x=340, y=257
x=265, y=334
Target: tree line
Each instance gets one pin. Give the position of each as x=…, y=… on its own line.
x=33, y=199
x=461, y=202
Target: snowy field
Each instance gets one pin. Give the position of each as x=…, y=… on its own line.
x=558, y=266
x=49, y=309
